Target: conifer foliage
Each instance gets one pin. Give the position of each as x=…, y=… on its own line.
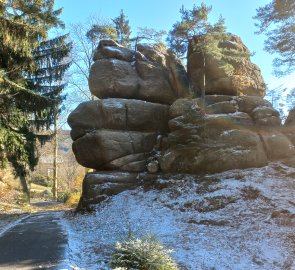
x=123, y=29
x=194, y=26
x=27, y=97
x=101, y=31
x=52, y=59
x=118, y=29
x=277, y=21
x=193, y=22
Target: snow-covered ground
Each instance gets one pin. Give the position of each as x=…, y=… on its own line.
x=239, y=219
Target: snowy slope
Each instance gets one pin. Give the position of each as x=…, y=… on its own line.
x=240, y=219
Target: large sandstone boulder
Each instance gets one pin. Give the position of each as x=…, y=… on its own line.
x=118, y=114
x=229, y=132
x=99, y=185
x=233, y=149
x=150, y=74
x=289, y=126
x=249, y=103
x=290, y=121
x=105, y=149
x=245, y=80
x=266, y=116
x=277, y=145
x=119, y=131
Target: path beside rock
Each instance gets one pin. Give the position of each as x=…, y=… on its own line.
x=36, y=242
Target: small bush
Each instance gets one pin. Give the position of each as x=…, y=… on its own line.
x=142, y=254
x=63, y=196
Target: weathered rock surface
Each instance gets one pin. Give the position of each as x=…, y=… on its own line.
x=266, y=116
x=145, y=121
x=100, y=148
x=277, y=145
x=118, y=114
x=289, y=126
x=245, y=80
x=99, y=185
x=242, y=149
x=151, y=74
x=111, y=49
x=119, y=131
x=248, y=104
x=290, y=121
x=228, y=133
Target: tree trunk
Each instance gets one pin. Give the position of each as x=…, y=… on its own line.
x=203, y=90
x=135, y=46
x=55, y=147
x=25, y=188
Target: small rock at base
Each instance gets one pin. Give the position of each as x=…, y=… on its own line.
x=153, y=166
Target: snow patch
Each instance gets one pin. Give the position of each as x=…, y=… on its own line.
x=239, y=219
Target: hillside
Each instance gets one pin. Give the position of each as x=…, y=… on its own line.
x=239, y=219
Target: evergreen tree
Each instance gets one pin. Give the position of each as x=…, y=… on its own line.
x=23, y=25
x=101, y=31
x=52, y=58
x=194, y=24
x=277, y=21
x=123, y=29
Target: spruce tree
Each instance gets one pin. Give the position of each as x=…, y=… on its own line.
x=23, y=26
x=52, y=58
x=123, y=29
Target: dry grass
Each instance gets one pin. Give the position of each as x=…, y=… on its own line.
x=73, y=200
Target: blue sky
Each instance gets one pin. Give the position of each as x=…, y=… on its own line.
x=161, y=14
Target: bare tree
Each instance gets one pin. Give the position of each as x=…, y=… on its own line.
x=82, y=57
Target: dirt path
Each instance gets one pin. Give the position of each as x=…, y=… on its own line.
x=37, y=241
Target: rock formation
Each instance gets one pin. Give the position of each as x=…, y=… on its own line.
x=119, y=131
x=145, y=121
x=246, y=79
x=122, y=129
x=231, y=133
x=289, y=126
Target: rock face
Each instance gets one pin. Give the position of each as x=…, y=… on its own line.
x=289, y=127
x=97, y=186
x=119, y=131
x=146, y=123
x=118, y=114
x=230, y=133
x=150, y=74
x=122, y=131
x=245, y=80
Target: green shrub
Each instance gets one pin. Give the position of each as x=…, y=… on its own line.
x=63, y=196
x=142, y=254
